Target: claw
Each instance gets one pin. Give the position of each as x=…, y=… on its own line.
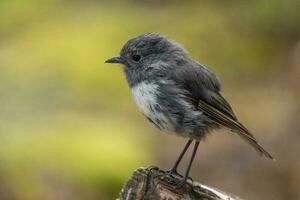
x=172, y=172
x=181, y=183
x=168, y=174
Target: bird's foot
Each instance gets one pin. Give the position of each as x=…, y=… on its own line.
x=180, y=183
x=176, y=179
x=172, y=172
x=169, y=176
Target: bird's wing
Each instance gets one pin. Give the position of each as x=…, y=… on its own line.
x=202, y=84
x=204, y=88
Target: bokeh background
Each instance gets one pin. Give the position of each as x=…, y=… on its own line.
x=70, y=130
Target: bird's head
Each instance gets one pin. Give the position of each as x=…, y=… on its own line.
x=148, y=56
x=146, y=50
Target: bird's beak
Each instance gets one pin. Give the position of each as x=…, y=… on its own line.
x=116, y=60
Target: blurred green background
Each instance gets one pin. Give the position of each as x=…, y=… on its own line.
x=70, y=130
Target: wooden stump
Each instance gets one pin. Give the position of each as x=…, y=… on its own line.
x=152, y=184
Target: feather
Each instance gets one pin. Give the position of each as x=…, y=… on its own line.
x=204, y=91
x=233, y=125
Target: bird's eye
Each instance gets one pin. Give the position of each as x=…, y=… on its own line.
x=136, y=57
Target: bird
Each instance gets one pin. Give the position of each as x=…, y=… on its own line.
x=178, y=94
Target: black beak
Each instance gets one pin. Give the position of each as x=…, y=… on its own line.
x=116, y=60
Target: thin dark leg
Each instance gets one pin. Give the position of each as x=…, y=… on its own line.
x=187, y=171
x=174, y=167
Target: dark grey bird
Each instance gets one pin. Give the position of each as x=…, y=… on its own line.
x=177, y=94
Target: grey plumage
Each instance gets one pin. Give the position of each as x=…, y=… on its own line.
x=176, y=93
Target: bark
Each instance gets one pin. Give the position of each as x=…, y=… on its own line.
x=153, y=184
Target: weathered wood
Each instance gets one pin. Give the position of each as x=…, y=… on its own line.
x=153, y=184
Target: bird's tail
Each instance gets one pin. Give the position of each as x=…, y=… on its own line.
x=250, y=139
x=234, y=125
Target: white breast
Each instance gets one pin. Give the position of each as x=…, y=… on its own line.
x=146, y=95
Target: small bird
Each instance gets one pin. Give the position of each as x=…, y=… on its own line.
x=177, y=94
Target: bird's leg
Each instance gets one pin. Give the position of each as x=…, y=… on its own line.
x=186, y=174
x=173, y=170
